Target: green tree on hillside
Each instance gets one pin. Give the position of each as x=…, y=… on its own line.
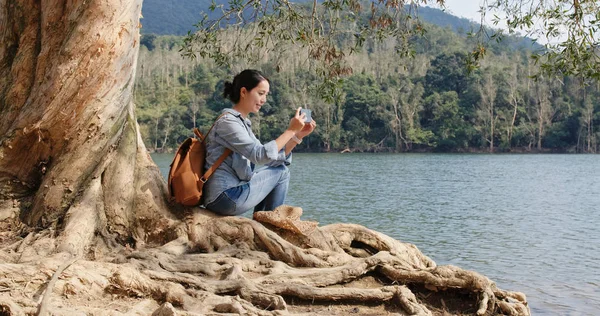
x=366, y=113
x=447, y=124
x=448, y=72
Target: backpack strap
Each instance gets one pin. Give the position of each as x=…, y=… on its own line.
x=198, y=133
x=216, y=165
x=219, y=161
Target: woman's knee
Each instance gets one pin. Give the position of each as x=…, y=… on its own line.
x=223, y=205
x=285, y=173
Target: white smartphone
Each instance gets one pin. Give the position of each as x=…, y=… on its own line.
x=308, y=115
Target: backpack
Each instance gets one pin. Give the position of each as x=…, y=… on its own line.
x=187, y=176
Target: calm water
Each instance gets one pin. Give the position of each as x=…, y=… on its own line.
x=528, y=222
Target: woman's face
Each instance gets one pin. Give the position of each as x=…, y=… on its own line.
x=251, y=101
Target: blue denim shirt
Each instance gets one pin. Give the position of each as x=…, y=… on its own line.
x=235, y=132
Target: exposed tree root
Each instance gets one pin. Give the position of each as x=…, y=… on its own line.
x=242, y=268
x=43, y=307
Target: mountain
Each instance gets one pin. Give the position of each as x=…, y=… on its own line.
x=173, y=17
x=177, y=17
x=441, y=18
x=463, y=26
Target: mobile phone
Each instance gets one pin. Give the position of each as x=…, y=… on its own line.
x=308, y=115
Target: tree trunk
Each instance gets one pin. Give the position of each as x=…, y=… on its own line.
x=512, y=124
x=544, y=115
x=156, y=122
x=397, y=120
x=80, y=198
x=588, y=118
x=488, y=114
x=328, y=126
x=540, y=131
x=514, y=101
x=194, y=108
x=70, y=142
x=167, y=130
x=492, y=127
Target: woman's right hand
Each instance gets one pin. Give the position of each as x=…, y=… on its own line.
x=297, y=122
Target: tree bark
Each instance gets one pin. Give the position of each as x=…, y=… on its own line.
x=70, y=142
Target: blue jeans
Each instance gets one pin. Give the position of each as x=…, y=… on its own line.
x=265, y=191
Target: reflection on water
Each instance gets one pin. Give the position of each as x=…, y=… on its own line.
x=526, y=221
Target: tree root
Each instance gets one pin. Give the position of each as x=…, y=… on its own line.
x=397, y=261
x=239, y=267
x=43, y=307
x=250, y=269
x=8, y=307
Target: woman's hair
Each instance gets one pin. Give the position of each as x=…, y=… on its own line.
x=248, y=79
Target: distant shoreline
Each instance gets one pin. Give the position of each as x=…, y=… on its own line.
x=423, y=151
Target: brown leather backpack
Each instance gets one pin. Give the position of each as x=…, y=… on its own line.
x=187, y=176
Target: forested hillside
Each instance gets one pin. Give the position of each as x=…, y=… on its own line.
x=425, y=103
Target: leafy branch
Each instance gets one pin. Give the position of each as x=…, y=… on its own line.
x=256, y=30
x=569, y=29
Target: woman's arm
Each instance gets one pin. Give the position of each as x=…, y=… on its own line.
x=306, y=130
x=284, y=140
x=232, y=133
x=296, y=125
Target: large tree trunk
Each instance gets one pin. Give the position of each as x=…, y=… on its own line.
x=70, y=142
x=80, y=197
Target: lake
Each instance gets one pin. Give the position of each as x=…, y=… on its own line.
x=528, y=222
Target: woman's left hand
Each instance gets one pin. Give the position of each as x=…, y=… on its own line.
x=307, y=129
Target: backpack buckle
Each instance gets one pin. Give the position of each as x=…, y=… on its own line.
x=203, y=180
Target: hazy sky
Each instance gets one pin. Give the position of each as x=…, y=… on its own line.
x=464, y=8
x=469, y=9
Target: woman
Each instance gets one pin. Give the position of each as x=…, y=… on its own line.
x=236, y=186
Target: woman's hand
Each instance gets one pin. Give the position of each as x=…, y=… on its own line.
x=297, y=122
x=307, y=129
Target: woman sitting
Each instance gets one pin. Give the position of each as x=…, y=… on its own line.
x=237, y=186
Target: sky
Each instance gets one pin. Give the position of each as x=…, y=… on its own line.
x=467, y=9
x=464, y=8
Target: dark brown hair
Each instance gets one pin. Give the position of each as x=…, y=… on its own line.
x=248, y=79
